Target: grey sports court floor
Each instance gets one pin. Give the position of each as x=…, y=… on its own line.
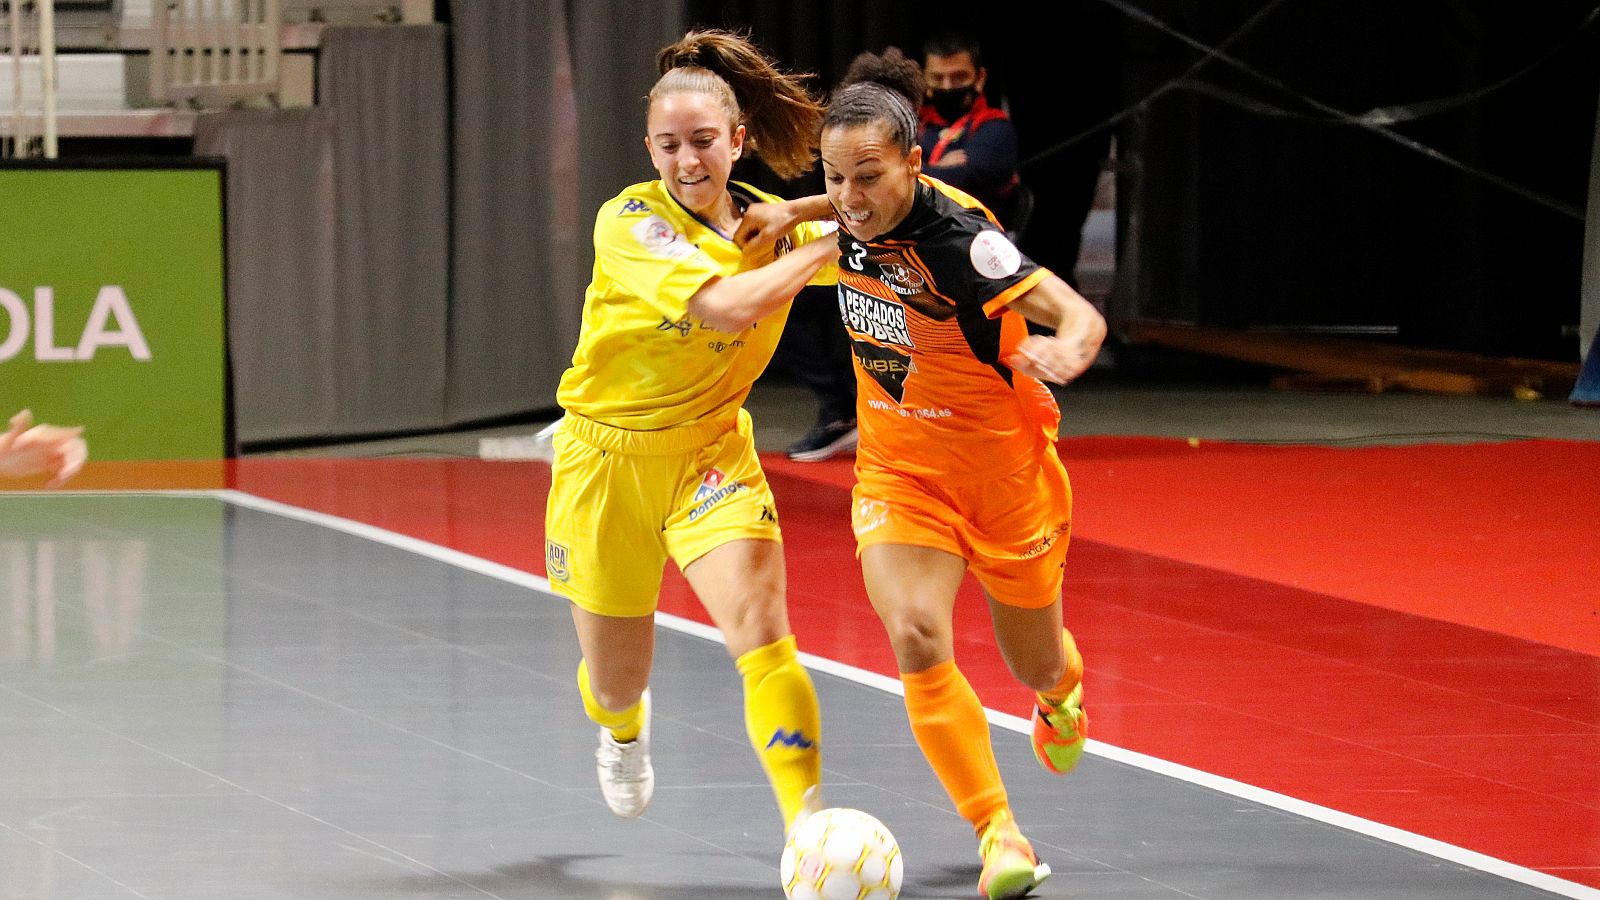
x=210, y=697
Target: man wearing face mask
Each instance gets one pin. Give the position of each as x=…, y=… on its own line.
x=966, y=143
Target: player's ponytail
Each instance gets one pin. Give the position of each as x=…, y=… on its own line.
x=780, y=116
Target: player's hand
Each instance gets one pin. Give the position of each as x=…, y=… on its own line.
x=27, y=449
x=763, y=225
x=953, y=158
x=1056, y=358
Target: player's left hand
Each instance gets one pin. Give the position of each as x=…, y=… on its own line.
x=1056, y=358
x=27, y=449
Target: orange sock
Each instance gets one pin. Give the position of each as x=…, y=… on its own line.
x=953, y=733
x=1072, y=676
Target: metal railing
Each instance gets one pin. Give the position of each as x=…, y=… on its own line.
x=29, y=55
x=216, y=52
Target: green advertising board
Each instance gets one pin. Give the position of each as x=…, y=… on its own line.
x=112, y=305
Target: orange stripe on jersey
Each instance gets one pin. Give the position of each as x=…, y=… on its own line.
x=916, y=262
x=993, y=307
x=959, y=196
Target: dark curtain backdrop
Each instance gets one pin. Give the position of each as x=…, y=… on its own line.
x=1239, y=204
x=411, y=255
x=549, y=123
x=1252, y=209
x=337, y=244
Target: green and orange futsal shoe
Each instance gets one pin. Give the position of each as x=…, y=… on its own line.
x=1010, y=869
x=1059, y=730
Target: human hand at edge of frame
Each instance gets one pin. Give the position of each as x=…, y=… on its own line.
x=1056, y=358
x=27, y=449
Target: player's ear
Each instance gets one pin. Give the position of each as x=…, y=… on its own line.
x=737, y=141
x=914, y=161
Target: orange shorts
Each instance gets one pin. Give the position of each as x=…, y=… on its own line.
x=1012, y=531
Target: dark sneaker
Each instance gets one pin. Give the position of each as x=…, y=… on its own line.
x=827, y=440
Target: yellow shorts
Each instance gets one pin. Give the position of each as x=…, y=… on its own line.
x=621, y=502
x=1012, y=531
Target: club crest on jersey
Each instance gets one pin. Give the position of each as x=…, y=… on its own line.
x=993, y=256
x=903, y=279
x=714, y=488
x=658, y=236
x=555, y=562
x=882, y=320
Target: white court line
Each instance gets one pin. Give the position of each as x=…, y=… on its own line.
x=1416, y=842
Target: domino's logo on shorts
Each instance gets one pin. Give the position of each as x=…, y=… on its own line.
x=714, y=487
x=708, y=485
x=555, y=562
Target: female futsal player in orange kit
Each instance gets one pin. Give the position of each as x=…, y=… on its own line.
x=957, y=466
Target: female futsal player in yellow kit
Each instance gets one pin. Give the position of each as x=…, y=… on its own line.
x=654, y=457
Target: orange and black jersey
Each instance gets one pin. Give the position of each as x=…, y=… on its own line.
x=925, y=306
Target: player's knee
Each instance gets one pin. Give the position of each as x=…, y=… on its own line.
x=755, y=620
x=918, y=634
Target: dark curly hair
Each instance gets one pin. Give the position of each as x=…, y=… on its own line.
x=882, y=87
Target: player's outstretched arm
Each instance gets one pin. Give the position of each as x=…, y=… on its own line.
x=27, y=449
x=735, y=303
x=1080, y=329
x=764, y=223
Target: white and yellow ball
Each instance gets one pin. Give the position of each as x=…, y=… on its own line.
x=841, y=854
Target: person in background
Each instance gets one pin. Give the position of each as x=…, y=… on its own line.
x=816, y=352
x=28, y=450
x=966, y=143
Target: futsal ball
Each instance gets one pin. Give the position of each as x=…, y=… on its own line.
x=841, y=854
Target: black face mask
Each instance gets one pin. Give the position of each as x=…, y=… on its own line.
x=952, y=103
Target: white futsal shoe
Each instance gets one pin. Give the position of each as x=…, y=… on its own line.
x=626, y=778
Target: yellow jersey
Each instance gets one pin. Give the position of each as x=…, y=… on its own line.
x=642, y=361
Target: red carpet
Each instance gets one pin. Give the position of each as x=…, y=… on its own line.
x=1405, y=634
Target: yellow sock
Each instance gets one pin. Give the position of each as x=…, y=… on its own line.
x=948, y=722
x=1072, y=676
x=624, y=725
x=783, y=721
